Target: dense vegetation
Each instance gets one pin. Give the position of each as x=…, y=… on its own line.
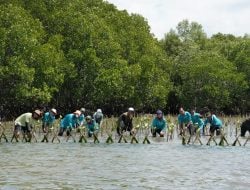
x=74, y=53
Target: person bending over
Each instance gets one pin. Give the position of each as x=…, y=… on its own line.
x=68, y=122
x=159, y=124
x=184, y=119
x=91, y=125
x=197, y=121
x=245, y=126
x=48, y=119
x=25, y=122
x=215, y=123
x=125, y=122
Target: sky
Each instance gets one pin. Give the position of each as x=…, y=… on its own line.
x=225, y=16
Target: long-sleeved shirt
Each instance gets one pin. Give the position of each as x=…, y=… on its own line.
x=69, y=121
x=92, y=126
x=48, y=118
x=98, y=117
x=214, y=121
x=196, y=118
x=81, y=119
x=160, y=124
x=126, y=119
x=186, y=118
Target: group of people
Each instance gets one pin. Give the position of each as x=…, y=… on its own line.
x=192, y=122
x=25, y=122
x=195, y=123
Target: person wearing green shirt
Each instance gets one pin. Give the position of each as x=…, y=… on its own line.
x=184, y=119
x=91, y=125
x=215, y=123
x=197, y=120
x=159, y=124
x=48, y=119
x=69, y=122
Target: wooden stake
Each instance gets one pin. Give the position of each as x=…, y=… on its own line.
x=236, y=140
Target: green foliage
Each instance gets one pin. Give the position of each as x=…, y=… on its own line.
x=207, y=72
x=81, y=53
x=31, y=68
x=74, y=53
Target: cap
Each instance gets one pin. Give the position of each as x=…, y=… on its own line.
x=158, y=112
x=88, y=117
x=82, y=110
x=99, y=111
x=131, y=109
x=53, y=110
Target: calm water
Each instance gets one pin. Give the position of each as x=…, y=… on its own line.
x=160, y=165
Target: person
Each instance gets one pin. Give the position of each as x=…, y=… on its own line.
x=81, y=117
x=48, y=119
x=25, y=122
x=68, y=122
x=215, y=123
x=91, y=125
x=197, y=120
x=159, y=124
x=125, y=121
x=184, y=119
x=245, y=126
x=98, y=116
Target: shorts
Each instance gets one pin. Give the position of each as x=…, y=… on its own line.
x=191, y=129
x=215, y=127
x=155, y=131
x=24, y=129
x=62, y=129
x=122, y=128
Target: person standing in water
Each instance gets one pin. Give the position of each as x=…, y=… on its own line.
x=25, y=122
x=125, y=122
x=159, y=124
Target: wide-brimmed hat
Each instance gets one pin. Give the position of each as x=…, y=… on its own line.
x=38, y=112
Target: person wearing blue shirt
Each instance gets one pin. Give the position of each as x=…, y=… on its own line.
x=196, y=120
x=184, y=119
x=215, y=123
x=48, y=119
x=68, y=122
x=91, y=125
x=159, y=124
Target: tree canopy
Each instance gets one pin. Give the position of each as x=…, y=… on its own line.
x=86, y=53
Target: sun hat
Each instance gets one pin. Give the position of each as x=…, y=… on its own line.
x=53, y=110
x=77, y=113
x=131, y=109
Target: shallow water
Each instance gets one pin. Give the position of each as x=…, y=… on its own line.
x=160, y=165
